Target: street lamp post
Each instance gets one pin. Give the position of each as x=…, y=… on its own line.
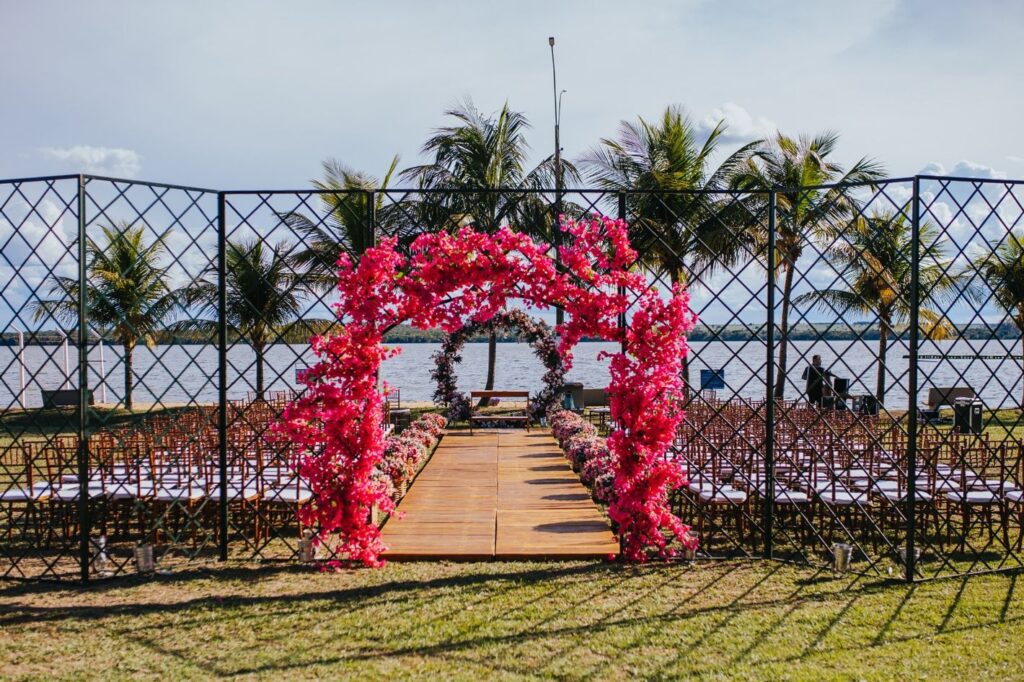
x=557, y=100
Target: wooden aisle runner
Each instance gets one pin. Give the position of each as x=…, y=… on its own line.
x=506, y=494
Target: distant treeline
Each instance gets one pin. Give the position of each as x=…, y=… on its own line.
x=736, y=332
x=299, y=332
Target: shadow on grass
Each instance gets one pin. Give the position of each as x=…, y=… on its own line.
x=29, y=613
x=597, y=601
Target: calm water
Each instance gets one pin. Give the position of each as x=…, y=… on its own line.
x=176, y=374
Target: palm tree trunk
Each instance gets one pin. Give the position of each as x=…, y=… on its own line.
x=129, y=380
x=883, y=347
x=787, y=294
x=676, y=276
x=258, y=349
x=1022, y=363
x=492, y=357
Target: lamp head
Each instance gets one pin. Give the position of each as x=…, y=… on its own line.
x=551, y=41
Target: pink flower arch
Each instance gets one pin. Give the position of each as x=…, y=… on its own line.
x=451, y=279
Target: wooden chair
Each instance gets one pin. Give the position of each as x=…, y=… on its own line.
x=26, y=498
x=979, y=494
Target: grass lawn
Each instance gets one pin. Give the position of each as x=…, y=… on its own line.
x=716, y=620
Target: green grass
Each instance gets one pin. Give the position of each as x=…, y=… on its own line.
x=1004, y=424
x=719, y=620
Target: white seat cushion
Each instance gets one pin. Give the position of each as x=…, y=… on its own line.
x=723, y=495
x=787, y=496
x=882, y=487
x=179, y=494
x=700, y=484
x=896, y=496
x=240, y=493
x=972, y=497
x=288, y=495
x=841, y=496
x=993, y=485
x=20, y=495
x=784, y=495
x=131, y=491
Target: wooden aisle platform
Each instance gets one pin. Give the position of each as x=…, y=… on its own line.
x=506, y=494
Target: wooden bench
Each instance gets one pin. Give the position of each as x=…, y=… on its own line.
x=475, y=397
x=63, y=397
x=937, y=397
x=595, y=397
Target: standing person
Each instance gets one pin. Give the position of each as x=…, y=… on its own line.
x=817, y=377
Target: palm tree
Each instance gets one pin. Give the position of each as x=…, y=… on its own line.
x=873, y=259
x=666, y=174
x=127, y=292
x=473, y=158
x=677, y=223
x=1001, y=268
x=346, y=225
x=797, y=168
x=263, y=294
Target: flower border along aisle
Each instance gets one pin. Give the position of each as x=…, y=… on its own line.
x=450, y=280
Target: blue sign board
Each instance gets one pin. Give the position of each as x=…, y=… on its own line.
x=712, y=379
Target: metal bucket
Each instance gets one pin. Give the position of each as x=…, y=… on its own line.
x=307, y=552
x=901, y=554
x=102, y=561
x=842, y=554
x=144, y=562
x=690, y=550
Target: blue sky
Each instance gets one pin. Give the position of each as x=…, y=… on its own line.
x=256, y=93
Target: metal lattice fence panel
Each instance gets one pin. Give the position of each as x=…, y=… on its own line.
x=843, y=278
x=39, y=513
x=151, y=437
x=153, y=334
x=714, y=244
x=969, y=374
x=281, y=250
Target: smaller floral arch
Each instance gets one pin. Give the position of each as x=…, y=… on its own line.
x=533, y=331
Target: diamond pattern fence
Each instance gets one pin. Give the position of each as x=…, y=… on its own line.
x=854, y=382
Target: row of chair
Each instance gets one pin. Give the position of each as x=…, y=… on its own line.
x=839, y=476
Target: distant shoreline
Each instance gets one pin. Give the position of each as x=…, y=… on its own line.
x=701, y=334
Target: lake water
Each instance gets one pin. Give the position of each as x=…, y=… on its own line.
x=178, y=374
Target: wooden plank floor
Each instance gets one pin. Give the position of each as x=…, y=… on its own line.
x=506, y=494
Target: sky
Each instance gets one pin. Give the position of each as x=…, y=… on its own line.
x=255, y=94
x=237, y=95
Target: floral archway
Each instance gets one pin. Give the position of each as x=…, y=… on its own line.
x=451, y=279
x=534, y=332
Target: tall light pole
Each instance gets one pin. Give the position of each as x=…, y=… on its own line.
x=557, y=101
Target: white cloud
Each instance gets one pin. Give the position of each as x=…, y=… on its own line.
x=1015, y=159
x=742, y=126
x=118, y=162
x=964, y=169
